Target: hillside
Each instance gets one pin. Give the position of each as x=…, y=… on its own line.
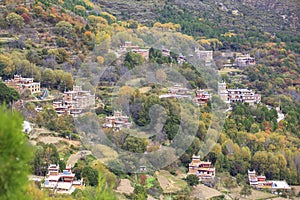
x=146, y=101
x=274, y=15
x=245, y=18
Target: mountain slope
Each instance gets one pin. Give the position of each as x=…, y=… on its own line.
x=280, y=17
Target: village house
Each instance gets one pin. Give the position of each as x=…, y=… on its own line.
x=243, y=95
x=27, y=127
x=202, y=169
x=237, y=59
x=260, y=182
x=181, y=59
x=201, y=97
x=165, y=52
x=143, y=52
x=207, y=56
x=237, y=95
x=177, y=91
x=75, y=101
x=128, y=46
x=227, y=58
x=244, y=61
x=280, y=115
x=227, y=54
x=222, y=92
x=62, y=183
x=21, y=84
x=117, y=121
x=235, y=12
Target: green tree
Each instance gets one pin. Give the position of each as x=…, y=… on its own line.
x=15, y=20
x=133, y=24
x=139, y=192
x=192, y=180
x=90, y=175
x=3, y=23
x=134, y=144
x=116, y=167
x=254, y=128
x=50, y=116
x=48, y=78
x=63, y=80
x=61, y=42
x=64, y=28
x=45, y=154
x=102, y=191
x=240, y=162
x=260, y=161
x=124, y=95
x=38, y=164
x=5, y=64
x=15, y=155
x=171, y=127
x=7, y=94
x=60, y=54
x=133, y=59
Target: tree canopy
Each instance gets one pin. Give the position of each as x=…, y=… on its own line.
x=7, y=94
x=15, y=155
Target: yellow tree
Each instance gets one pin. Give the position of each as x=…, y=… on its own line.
x=124, y=95
x=6, y=65
x=94, y=20
x=100, y=59
x=101, y=36
x=111, y=17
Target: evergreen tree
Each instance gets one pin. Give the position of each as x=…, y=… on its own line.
x=192, y=180
x=15, y=155
x=7, y=94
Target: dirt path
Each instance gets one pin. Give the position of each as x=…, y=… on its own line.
x=39, y=131
x=75, y=157
x=203, y=192
x=56, y=140
x=163, y=181
x=125, y=187
x=235, y=193
x=169, y=183
x=49, y=140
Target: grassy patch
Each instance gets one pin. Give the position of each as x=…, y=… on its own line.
x=256, y=194
x=150, y=182
x=104, y=153
x=4, y=40
x=144, y=89
x=226, y=70
x=170, y=183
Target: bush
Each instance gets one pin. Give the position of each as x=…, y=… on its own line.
x=192, y=180
x=90, y=175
